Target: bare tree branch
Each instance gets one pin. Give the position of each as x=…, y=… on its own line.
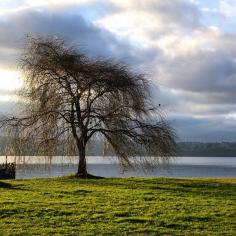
x=69, y=98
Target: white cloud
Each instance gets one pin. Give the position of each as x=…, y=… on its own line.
x=228, y=8
x=141, y=20
x=51, y=3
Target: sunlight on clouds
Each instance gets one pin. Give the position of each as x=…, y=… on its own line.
x=198, y=40
x=124, y=25
x=231, y=115
x=188, y=47
x=146, y=27
x=10, y=80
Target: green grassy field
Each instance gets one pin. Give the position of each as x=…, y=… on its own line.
x=131, y=206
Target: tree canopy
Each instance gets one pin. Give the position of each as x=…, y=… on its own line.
x=68, y=98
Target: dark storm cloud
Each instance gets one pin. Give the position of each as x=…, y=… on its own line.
x=211, y=75
x=208, y=129
x=192, y=103
x=73, y=28
x=204, y=71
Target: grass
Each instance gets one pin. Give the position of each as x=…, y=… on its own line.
x=129, y=206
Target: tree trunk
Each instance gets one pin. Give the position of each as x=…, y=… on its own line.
x=82, y=168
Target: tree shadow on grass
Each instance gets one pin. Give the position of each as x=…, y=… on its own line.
x=5, y=185
x=207, y=187
x=196, y=187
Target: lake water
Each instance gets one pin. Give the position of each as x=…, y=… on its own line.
x=32, y=167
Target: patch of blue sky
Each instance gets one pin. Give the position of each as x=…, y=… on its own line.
x=214, y=17
x=88, y=13
x=224, y=24
x=94, y=11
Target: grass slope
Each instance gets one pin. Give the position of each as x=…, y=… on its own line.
x=129, y=206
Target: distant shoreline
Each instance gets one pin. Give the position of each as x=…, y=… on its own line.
x=184, y=149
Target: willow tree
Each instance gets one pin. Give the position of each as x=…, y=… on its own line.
x=68, y=98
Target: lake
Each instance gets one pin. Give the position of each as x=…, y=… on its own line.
x=32, y=167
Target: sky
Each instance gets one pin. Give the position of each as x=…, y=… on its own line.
x=186, y=48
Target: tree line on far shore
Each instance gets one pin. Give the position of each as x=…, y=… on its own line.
x=99, y=148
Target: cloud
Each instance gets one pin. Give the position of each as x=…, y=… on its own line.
x=195, y=64
x=204, y=129
x=179, y=12
x=71, y=27
x=142, y=21
x=227, y=8
x=208, y=67
x=94, y=41
x=192, y=57
x=180, y=44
